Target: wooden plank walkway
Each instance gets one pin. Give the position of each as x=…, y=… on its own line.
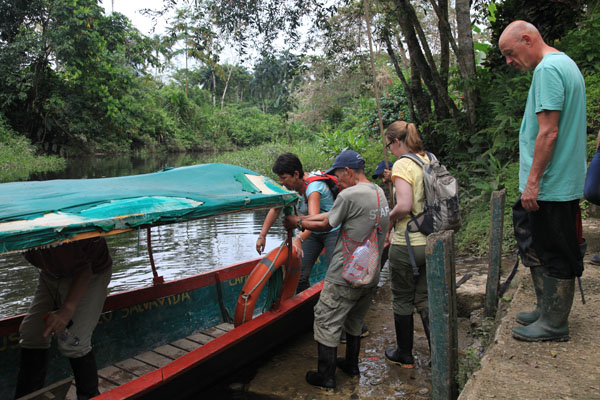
x=124, y=371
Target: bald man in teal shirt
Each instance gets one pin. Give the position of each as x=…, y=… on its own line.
x=552, y=143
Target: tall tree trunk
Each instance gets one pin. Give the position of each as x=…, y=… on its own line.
x=445, y=35
x=226, y=85
x=214, y=91
x=410, y=26
x=467, y=55
x=399, y=72
x=422, y=100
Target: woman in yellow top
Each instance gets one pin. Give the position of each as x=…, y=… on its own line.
x=408, y=290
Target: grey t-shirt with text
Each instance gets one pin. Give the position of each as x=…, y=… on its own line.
x=355, y=208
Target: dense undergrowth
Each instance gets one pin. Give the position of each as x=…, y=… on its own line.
x=19, y=159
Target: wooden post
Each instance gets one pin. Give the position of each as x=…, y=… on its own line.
x=497, y=202
x=441, y=286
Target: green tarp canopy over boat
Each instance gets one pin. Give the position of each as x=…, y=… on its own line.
x=47, y=212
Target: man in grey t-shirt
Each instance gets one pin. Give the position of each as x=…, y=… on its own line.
x=359, y=207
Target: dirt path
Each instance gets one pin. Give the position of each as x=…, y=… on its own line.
x=570, y=370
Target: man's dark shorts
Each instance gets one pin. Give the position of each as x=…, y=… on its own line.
x=553, y=237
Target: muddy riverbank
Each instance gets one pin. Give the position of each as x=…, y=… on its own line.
x=509, y=369
x=280, y=374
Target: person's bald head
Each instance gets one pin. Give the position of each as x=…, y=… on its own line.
x=522, y=45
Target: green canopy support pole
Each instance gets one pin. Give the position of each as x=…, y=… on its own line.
x=157, y=279
x=441, y=287
x=497, y=202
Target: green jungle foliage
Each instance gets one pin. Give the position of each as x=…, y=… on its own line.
x=18, y=158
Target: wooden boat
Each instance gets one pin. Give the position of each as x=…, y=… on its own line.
x=170, y=339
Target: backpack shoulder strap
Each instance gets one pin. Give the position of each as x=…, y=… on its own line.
x=415, y=158
x=318, y=177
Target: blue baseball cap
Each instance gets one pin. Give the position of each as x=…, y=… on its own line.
x=347, y=158
x=380, y=168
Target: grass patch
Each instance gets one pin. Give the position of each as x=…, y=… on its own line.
x=18, y=158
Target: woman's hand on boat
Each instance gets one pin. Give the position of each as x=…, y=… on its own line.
x=260, y=244
x=297, y=243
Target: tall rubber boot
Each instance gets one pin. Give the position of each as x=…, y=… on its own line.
x=86, y=376
x=537, y=276
x=402, y=355
x=553, y=323
x=325, y=375
x=32, y=371
x=350, y=364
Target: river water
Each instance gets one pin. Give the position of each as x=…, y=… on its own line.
x=179, y=250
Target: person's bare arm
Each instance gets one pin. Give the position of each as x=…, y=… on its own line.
x=404, y=200
x=269, y=221
x=544, y=146
x=316, y=223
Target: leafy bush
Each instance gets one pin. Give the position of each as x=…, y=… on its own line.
x=250, y=126
x=581, y=44
x=17, y=156
x=473, y=235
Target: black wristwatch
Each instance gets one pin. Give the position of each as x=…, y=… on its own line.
x=299, y=225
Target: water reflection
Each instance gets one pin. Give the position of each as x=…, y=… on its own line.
x=179, y=250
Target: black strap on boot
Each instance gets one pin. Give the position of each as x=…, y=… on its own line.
x=86, y=376
x=32, y=371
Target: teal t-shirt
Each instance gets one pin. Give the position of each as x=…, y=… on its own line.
x=557, y=86
x=326, y=198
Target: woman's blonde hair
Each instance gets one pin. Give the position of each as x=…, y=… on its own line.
x=405, y=132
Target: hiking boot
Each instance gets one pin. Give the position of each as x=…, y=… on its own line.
x=595, y=259
x=402, y=354
x=350, y=364
x=553, y=323
x=537, y=276
x=325, y=375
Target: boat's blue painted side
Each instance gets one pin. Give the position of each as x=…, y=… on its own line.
x=140, y=320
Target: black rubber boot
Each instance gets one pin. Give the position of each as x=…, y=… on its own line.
x=325, y=375
x=86, y=376
x=553, y=323
x=402, y=355
x=537, y=275
x=350, y=364
x=32, y=371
